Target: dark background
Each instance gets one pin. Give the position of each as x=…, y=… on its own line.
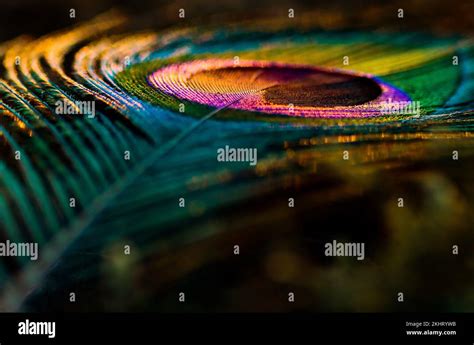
x=38, y=17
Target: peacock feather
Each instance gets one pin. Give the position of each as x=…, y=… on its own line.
x=345, y=123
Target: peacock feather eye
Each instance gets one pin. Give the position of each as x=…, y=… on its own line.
x=275, y=88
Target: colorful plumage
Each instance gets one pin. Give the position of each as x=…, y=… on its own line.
x=166, y=101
